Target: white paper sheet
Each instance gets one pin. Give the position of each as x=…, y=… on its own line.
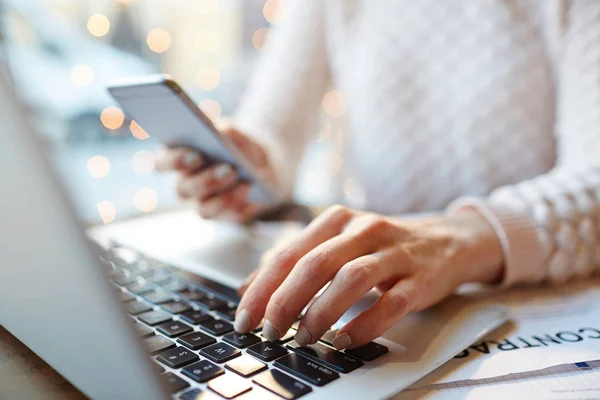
x=550, y=326
x=570, y=381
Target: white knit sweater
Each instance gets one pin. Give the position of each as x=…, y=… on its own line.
x=493, y=104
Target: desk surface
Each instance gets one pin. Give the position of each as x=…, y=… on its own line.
x=24, y=375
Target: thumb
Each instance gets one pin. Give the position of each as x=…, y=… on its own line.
x=246, y=145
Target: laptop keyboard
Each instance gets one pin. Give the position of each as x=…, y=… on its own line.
x=185, y=322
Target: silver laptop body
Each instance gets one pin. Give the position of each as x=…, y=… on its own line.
x=55, y=296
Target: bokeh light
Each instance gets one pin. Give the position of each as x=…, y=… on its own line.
x=98, y=166
x=112, y=117
x=334, y=104
x=272, y=11
x=207, y=41
x=260, y=37
x=208, y=78
x=98, y=25
x=159, y=40
x=82, y=75
x=137, y=131
x=145, y=199
x=143, y=162
x=107, y=211
x=211, y=108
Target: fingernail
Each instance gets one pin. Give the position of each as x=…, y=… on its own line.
x=342, y=341
x=303, y=336
x=222, y=171
x=242, y=322
x=191, y=158
x=270, y=333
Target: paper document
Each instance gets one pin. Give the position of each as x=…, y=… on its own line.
x=550, y=326
x=571, y=381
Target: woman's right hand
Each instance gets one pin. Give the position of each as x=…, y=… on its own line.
x=216, y=189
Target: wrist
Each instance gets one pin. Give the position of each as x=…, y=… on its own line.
x=482, y=258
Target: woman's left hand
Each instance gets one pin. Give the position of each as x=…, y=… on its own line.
x=414, y=264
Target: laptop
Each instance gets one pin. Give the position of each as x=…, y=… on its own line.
x=119, y=324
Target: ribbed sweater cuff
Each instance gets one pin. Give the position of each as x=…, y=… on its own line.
x=518, y=234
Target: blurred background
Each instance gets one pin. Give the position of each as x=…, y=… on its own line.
x=62, y=54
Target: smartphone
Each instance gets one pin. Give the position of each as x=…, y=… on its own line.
x=159, y=105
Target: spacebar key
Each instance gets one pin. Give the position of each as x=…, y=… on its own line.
x=306, y=369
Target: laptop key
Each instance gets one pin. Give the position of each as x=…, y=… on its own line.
x=216, y=327
x=143, y=330
x=229, y=385
x=159, y=278
x=154, y=317
x=157, y=344
x=220, y=352
x=125, y=297
x=241, y=340
x=245, y=365
x=267, y=351
x=258, y=393
x=174, y=383
x=306, y=369
x=173, y=328
x=137, y=307
x=202, y=371
x=176, y=307
x=158, y=368
x=331, y=358
x=211, y=303
x=368, y=352
x=158, y=297
x=193, y=295
x=282, y=384
x=227, y=313
x=197, y=394
x=122, y=278
x=196, y=340
x=195, y=317
x=141, y=287
x=177, y=357
x=174, y=286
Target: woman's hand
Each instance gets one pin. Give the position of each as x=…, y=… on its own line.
x=414, y=264
x=216, y=189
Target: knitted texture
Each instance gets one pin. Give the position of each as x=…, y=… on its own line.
x=495, y=103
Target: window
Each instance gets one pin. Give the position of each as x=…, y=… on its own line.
x=63, y=53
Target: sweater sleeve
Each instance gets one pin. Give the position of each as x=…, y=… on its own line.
x=279, y=108
x=549, y=226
